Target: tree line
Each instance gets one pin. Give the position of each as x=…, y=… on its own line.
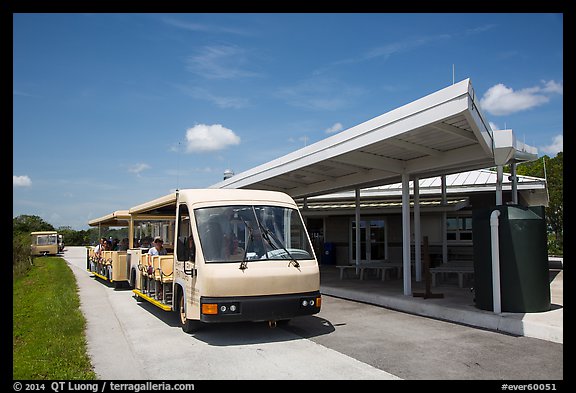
x=551, y=169
x=24, y=224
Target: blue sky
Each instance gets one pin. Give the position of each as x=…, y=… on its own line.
x=112, y=110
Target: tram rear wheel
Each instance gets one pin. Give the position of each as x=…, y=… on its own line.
x=188, y=325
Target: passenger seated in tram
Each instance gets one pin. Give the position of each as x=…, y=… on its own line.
x=123, y=246
x=107, y=246
x=100, y=247
x=158, y=248
x=145, y=243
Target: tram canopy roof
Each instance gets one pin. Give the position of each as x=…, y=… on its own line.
x=119, y=218
x=439, y=134
x=165, y=205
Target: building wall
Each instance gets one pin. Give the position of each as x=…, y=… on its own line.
x=338, y=229
x=430, y=224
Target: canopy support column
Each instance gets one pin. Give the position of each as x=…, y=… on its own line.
x=357, y=212
x=417, y=231
x=444, y=222
x=499, y=175
x=406, y=234
x=514, y=180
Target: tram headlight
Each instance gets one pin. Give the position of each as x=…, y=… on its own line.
x=220, y=308
x=310, y=302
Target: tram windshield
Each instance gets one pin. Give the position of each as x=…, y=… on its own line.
x=248, y=233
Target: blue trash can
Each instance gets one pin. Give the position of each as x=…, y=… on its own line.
x=329, y=254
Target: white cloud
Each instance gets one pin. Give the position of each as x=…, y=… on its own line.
x=502, y=100
x=336, y=127
x=555, y=147
x=553, y=87
x=220, y=62
x=204, y=28
x=21, y=181
x=203, y=137
x=137, y=168
x=320, y=93
x=23, y=94
x=220, y=101
x=393, y=48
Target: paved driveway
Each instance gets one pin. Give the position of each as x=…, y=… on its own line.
x=130, y=340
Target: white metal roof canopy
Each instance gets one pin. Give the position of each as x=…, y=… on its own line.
x=439, y=134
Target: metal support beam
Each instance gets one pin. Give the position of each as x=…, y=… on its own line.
x=514, y=183
x=499, y=175
x=417, y=231
x=131, y=233
x=407, y=275
x=444, y=222
x=358, y=245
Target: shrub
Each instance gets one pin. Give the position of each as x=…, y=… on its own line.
x=22, y=260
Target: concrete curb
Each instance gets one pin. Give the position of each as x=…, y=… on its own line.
x=512, y=323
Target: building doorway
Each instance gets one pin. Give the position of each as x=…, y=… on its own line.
x=373, y=240
x=315, y=227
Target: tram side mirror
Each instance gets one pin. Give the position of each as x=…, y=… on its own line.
x=186, y=250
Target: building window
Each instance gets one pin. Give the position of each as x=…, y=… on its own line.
x=459, y=228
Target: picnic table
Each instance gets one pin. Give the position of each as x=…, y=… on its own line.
x=382, y=268
x=461, y=268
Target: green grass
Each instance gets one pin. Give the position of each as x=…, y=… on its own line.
x=48, y=325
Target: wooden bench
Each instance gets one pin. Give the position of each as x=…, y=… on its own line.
x=381, y=268
x=460, y=254
x=460, y=268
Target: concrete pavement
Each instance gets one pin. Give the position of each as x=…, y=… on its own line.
x=457, y=305
x=128, y=340
x=123, y=335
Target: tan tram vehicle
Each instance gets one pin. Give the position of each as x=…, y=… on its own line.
x=109, y=265
x=44, y=243
x=233, y=255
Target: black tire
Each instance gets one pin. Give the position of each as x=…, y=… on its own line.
x=283, y=322
x=187, y=325
x=138, y=298
x=132, y=283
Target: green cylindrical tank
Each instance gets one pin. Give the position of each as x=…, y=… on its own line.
x=524, y=273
